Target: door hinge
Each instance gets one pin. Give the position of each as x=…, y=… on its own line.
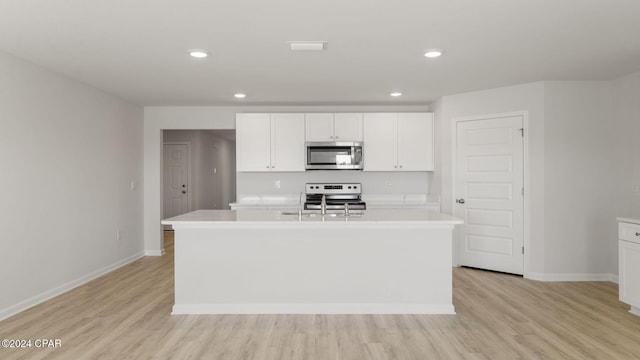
x=522, y=132
x=523, y=250
x=522, y=191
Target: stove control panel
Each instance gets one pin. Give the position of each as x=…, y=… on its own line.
x=345, y=188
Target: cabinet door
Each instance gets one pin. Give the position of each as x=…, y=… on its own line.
x=319, y=127
x=380, y=142
x=253, y=142
x=348, y=127
x=287, y=142
x=415, y=142
x=629, y=272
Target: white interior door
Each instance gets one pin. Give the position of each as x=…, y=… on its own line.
x=175, y=179
x=489, y=188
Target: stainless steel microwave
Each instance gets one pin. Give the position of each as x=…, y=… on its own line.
x=343, y=155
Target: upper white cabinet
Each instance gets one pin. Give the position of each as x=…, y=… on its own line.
x=270, y=142
x=253, y=142
x=333, y=127
x=398, y=142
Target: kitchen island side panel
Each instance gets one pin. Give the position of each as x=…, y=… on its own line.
x=307, y=268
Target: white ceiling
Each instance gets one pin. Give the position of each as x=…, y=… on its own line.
x=137, y=49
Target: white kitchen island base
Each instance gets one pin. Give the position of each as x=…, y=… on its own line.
x=263, y=262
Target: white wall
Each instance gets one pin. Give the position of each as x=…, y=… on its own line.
x=372, y=182
x=577, y=133
x=626, y=130
x=580, y=179
x=69, y=153
x=224, y=180
x=158, y=118
x=626, y=105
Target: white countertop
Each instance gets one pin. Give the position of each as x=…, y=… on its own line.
x=373, y=216
x=370, y=199
x=629, y=220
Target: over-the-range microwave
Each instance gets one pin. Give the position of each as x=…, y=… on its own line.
x=341, y=155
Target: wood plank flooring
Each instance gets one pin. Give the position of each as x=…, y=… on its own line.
x=126, y=315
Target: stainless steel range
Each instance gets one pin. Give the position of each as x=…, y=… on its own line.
x=341, y=197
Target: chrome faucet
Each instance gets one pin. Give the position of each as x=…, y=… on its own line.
x=346, y=209
x=323, y=205
x=300, y=207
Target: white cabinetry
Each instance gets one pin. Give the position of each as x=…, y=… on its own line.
x=270, y=142
x=333, y=127
x=629, y=264
x=398, y=142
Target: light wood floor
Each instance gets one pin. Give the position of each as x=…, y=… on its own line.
x=126, y=315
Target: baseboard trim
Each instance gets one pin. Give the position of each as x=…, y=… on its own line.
x=571, y=277
x=154, y=252
x=348, y=308
x=59, y=290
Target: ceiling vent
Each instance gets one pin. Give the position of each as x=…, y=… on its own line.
x=307, y=45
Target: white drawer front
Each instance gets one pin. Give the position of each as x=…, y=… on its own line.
x=629, y=232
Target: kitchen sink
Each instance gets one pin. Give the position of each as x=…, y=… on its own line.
x=317, y=214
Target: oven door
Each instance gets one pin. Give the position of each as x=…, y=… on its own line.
x=334, y=156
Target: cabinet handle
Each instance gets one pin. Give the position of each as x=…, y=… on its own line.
x=638, y=234
x=337, y=137
x=272, y=166
x=400, y=166
x=267, y=166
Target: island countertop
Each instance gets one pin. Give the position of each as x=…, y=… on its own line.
x=373, y=216
x=629, y=220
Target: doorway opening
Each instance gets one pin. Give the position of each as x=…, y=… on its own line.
x=198, y=170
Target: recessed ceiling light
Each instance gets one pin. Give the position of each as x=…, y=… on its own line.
x=307, y=45
x=198, y=54
x=433, y=53
x=240, y=95
x=396, y=94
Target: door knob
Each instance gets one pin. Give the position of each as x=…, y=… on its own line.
x=184, y=192
x=460, y=201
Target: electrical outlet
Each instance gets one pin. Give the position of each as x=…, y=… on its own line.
x=118, y=235
x=133, y=185
x=215, y=170
x=277, y=184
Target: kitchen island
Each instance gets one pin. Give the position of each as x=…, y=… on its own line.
x=267, y=261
